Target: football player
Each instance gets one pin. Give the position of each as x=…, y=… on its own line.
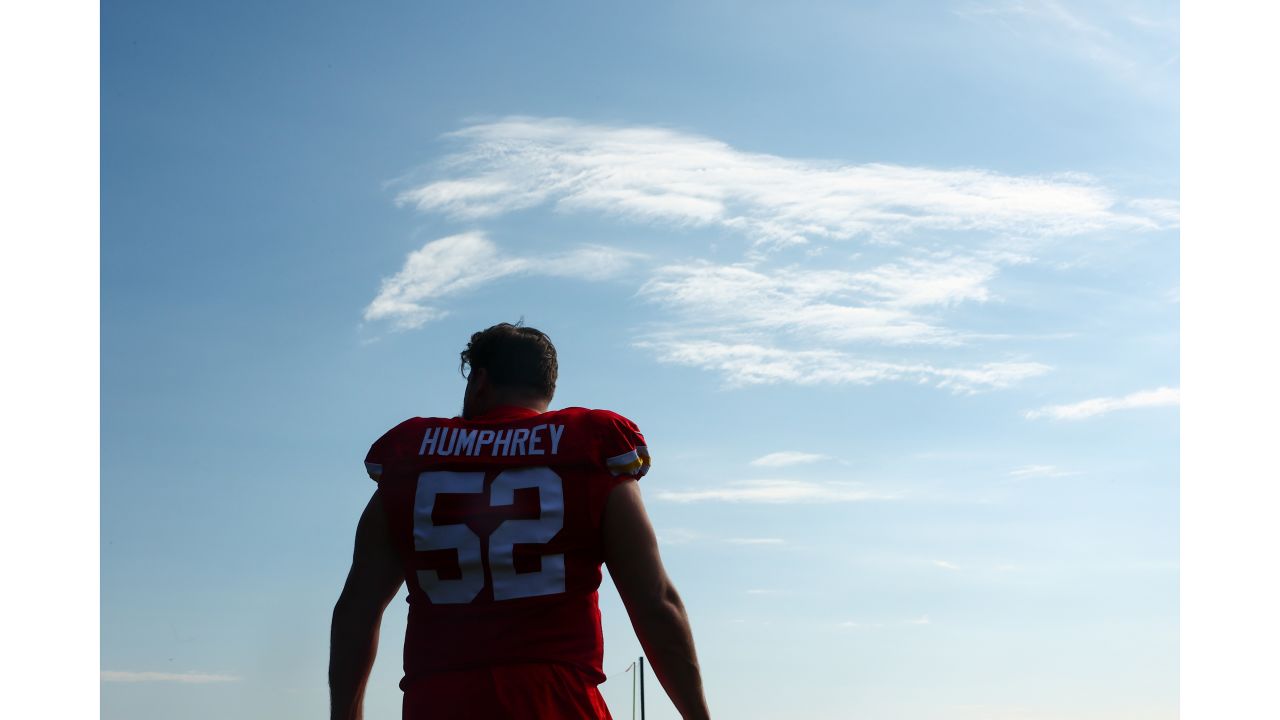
x=499, y=521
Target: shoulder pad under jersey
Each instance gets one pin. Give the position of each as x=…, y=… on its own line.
x=622, y=447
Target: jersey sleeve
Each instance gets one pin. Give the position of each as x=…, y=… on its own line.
x=622, y=456
x=624, y=450
x=384, y=450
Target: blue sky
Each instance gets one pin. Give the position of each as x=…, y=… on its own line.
x=892, y=290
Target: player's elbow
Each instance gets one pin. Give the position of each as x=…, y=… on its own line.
x=354, y=609
x=658, y=602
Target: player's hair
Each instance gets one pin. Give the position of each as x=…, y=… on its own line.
x=514, y=356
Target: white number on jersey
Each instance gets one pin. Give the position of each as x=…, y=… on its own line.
x=506, y=582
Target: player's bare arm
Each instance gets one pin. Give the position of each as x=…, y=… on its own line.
x=375, y=578
x=658, y=615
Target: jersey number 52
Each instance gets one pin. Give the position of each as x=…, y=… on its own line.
x=506, y=582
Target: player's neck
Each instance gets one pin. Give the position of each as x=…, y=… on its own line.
x=515, y=400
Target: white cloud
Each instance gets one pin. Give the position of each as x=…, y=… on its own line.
x=1107, y=43
x=1166, y=211
x=779, y=492
x=459, y=263
x=677, y=536
x=658, y=174
x=922, y=620
x=943, y=280
x=755, y=321
x=751, y=364
x=742, y=321
x=187, y=677
x=946, y=565
x=787, y=457
x=878, y=304
x=681, y=536
x=1160, y=397
x=1027, y=471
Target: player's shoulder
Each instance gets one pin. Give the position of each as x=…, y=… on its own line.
x=597, y=418
x=618, y=444
x=400, y=441
x=401, y=430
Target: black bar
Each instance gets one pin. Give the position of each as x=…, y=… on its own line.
x=641, y=687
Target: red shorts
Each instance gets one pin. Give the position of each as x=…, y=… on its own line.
x=506, y=692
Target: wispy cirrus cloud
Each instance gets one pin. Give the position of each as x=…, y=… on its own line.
x=190, y=678
x=745, y=322
x=743, y=364
x=1163, y=210
x=457, y=264
x=788, y=457
x=1139, y=49
x=681, y=536
x=852, y=625
x=652, y=174
x=1030, y=471
x=677, y=536
x=1159, y=397
x=781, y=491
x=815, y=319
x=878, y=304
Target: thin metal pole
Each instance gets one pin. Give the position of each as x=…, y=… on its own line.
x=633, y=691
x=641, y=687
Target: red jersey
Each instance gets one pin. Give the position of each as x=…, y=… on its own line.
x=498, y=520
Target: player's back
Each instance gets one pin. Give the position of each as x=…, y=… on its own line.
x=497, y=520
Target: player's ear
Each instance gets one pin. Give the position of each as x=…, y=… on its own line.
x=479, y=389
x=478, y=379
